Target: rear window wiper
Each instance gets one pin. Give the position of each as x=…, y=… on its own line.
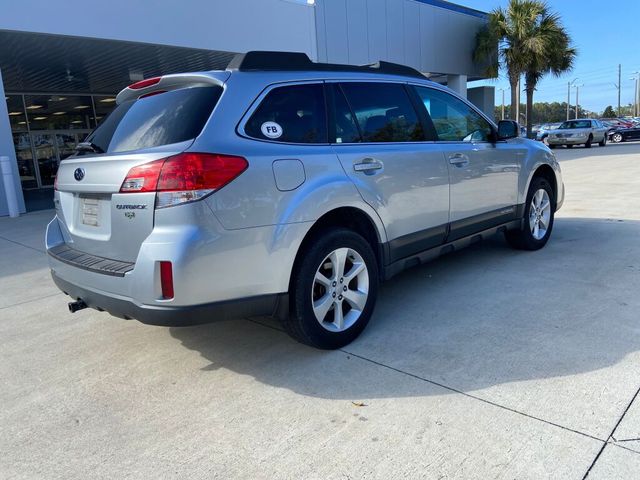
x=88, y=147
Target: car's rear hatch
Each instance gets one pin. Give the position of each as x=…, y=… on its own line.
x=158, y=121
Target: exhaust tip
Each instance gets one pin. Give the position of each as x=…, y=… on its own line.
x=75, y=306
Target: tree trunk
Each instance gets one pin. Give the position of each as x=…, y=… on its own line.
x=530, y=90
x=531, y=80
x=515, y=98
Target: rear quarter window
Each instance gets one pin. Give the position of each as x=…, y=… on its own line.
x=161, y=119
x=291, y=114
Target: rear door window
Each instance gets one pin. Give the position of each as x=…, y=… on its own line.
x=343, y=127
x=161, y=119
x=291, y=114
x=383, y=111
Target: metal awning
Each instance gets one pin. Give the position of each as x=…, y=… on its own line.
x=46, y=63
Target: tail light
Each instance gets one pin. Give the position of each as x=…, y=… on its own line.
x=185, y=177
x=143, y=178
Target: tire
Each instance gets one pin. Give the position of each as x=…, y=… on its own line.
x=603, y=143
x=315, y=276
x=617, y=138
x=589, y=142
x=553, y=147
x=569, y=146
x=545, y=139
x=527, y=238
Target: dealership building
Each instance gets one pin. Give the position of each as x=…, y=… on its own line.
x=60, y=68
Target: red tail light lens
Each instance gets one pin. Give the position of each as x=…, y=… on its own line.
x=184, y=177
x=166, y=279
x=143, y=178
x=147, y=82
x=199, y=171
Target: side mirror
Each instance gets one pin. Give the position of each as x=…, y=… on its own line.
x=508, y=129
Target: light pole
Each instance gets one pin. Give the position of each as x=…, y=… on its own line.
x=502, y=90
x=569, y=85
x=526, y=109
x=577, y=97
x=636, y=95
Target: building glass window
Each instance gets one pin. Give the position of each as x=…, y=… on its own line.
x=46, y=129
x=21, y=141
x=59, y=112
x=24, y=155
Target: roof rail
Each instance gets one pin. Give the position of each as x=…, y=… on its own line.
x=298, y=61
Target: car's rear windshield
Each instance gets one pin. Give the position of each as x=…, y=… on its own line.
x=160, y=119
x=576, y=124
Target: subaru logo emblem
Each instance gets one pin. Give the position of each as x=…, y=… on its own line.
x=78, y=174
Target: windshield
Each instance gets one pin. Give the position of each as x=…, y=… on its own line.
x=575, y=124
x=160, y=119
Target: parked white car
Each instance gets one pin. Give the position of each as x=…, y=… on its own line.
x=578, y=132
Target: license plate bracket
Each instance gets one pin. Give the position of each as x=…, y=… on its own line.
x=90, y=211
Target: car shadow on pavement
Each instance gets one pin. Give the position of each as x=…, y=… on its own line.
x=484, y=316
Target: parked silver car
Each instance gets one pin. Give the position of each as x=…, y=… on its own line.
x=282, y=186
x=542, y=132
x=578, y=132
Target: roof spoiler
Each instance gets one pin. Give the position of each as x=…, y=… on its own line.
x=171, y=82
x=297, y=61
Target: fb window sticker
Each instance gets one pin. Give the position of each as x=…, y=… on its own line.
x=271, y=130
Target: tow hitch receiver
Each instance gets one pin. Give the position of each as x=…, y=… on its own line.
x=75, y=306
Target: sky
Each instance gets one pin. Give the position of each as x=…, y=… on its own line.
x=606, y=34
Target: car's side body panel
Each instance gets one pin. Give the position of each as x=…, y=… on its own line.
x=410, y=192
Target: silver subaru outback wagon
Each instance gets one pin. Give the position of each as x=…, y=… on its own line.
x=286, y=187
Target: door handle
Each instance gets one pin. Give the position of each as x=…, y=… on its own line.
x=368, y=165
x=459, y=160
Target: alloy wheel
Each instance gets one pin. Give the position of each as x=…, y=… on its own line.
x=340, y=290
x=540, y=214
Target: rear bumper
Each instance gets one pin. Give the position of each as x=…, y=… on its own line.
x=171, y=315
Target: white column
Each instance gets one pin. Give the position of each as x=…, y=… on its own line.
x=7, y=149
x=458, y=83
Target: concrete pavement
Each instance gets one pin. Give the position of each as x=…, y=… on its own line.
x=487, y=363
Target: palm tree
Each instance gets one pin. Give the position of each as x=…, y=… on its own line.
x=549, y=51
x=524, y=39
